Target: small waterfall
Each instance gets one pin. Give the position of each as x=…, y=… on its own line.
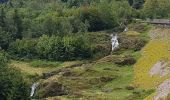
x=126, y=29
x=33, y=88
x=114, y=41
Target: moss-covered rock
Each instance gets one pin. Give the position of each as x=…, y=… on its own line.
x=131, y=42
x=52, y=88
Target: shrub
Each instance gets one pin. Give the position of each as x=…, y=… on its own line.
x=49, y=47
x=4, y=58
x=23, y=48
x=133, y=43
x=98, y=20
x=12, y=84
x=66, y=48
x=100, y=44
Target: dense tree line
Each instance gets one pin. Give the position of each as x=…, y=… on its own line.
x=53, y=29
x=52, y=48
x=25, y=23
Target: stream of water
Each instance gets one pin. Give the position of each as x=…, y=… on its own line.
x=33, y=89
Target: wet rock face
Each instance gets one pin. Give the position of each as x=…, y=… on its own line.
x=163, y=91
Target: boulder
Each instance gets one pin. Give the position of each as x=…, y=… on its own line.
x=131, y=42
x=53, y=88
x=106, y=79
x=107, y=90
x=126, y=61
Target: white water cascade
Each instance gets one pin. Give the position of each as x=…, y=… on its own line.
x=33, y=88
x=114, y=42
x=126, y=29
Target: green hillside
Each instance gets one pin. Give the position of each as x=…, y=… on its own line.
x=84, y=49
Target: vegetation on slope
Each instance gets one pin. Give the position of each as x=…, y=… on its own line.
x=61, y=30
x=156, y=50
x=12, y=83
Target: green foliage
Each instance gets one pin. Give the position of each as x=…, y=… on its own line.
x=52, y=48
x=40, y=63
x=107, y=14
x=17, y=24
x=157, y=8
x=5, y=39
x=12, y=84
x=121, y=11
x=2, y=17
x=66, y=48
x=138, y=4
x=23, y=48
x=49, y=47
x=4, y=58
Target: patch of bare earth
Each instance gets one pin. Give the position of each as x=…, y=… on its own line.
x=161, y=68
x=159, y=33
x=163, y=90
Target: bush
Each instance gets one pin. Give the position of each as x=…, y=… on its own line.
x=98, y=20
x=4, y=58
x=23, y=48
x=101, y=50
x=66, y=48
x=12, y=84
x=100, y=44
x=40, y=63
x=49, y=47
x=133, y=43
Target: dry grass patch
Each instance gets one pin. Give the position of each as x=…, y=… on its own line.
x=153, y=52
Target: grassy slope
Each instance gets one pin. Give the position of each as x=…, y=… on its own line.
x=156, y=50
x=118, y=85
x=86, y=84
x=26, y=67
x=124, y=76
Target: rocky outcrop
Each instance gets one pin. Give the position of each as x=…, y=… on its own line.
x=161, y=68
x=52, y=88
x=163, y=90
x=120, y=60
